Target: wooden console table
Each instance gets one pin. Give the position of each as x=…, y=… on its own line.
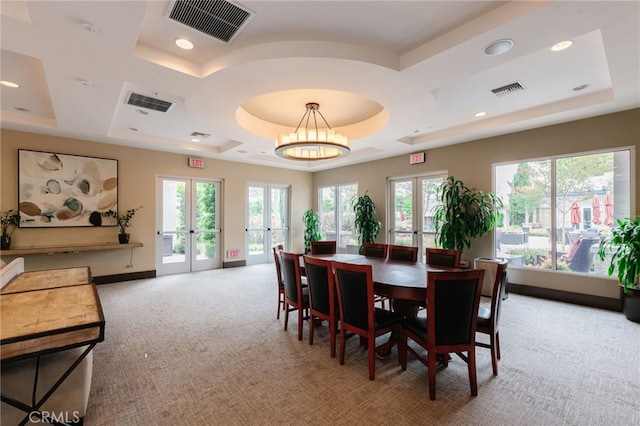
x=73, y=248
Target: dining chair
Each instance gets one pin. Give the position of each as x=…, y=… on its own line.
x=279, y=278
x=296, y=297
x=323, y=302
x=323, y=247
x=379, y=251
x=375, y=250
x=495, y=283
x=358, y=314
x=450, y=325
x=442, y=257
x=403, y=253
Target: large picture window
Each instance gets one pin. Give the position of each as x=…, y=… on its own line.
x=557, y=210
x=335, y=209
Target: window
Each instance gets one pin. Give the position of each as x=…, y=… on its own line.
x=557, y=210
x=335, y=210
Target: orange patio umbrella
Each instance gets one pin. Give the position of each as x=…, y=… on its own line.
x=576, y=217
x=595, y=211
x=608, y=209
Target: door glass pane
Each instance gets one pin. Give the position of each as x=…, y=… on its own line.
x=327, y=212
x=279, y=205
x=205, y=220
x=255, y=234
x=403, y=212
x=174, y=217
x=429, y=200
x=346, y=215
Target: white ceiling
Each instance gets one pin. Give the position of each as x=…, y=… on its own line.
x=395, y=76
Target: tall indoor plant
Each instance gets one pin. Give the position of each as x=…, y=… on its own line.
x=624, y=248
x=123, y=222
x=465, y=213
x=311, y=229
x=365, y=223
x=10, y=221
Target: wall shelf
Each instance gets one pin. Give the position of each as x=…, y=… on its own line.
x=75, y=248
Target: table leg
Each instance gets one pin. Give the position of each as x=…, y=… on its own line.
x=407, y=308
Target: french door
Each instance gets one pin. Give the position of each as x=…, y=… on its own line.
x=188, y=217
x=267, y=221
x=413, y=201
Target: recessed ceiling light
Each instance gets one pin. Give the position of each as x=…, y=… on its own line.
x=84, y=82
x=581, y=87
x=22, y=109
x=498, y=47
x=133, y=129
x=480, y=114
x=242, y=151
x=9, y=84
x=195, y=140
x=184, y=44
x=561, y=46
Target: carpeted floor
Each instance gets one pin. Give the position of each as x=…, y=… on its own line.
x=206, y=348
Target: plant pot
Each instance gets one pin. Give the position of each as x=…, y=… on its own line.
x=631, y=305
x=5, y=243
x=123, y=238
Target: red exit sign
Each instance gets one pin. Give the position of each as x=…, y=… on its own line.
x=196, y=162
x=416, y=158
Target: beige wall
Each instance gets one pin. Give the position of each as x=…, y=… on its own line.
x=471, y=162
x=138, y=170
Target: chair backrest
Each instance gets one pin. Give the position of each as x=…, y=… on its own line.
x=581, y=259
x=323, y=247
x=375, y=250
x=452, y=308
x=443, y=257
x=276, y=259
x=292, y=280
x=354, y=284
x=493, y=271
x=321, y=282
x=403, y=253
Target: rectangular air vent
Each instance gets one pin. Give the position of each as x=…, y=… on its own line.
x=218, y=18
x=509, y=88
x=143, y=101
x=200, y=135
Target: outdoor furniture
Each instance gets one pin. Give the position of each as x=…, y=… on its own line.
x=579, y=257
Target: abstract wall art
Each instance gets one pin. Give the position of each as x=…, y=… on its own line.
x=60, y=190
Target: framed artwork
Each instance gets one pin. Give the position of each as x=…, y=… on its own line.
x=61, y=190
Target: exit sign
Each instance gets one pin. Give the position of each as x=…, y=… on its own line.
x=196, y=162
x=416, y=158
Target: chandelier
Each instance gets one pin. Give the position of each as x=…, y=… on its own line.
x=310, y=143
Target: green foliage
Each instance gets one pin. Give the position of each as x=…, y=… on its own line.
x=624, y=243
x=10, y=221
x=465, y=213
x=311, y=225
x=122, y=220
x=365, y=223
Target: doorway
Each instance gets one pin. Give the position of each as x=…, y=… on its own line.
x=267, y=221
x=188, y=214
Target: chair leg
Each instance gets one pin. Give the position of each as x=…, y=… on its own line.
x=300, y=320
x=494, y=354
x=279, y=304
x=286, y=316
x=332, y=336
x=498, y=344
x=342, y=344
x=431, y=371
x=371, y=350
x=311, y=321
x=473, y=379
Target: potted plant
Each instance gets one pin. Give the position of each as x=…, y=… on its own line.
x=365, y=223
x=311, y=232
x=624, y=248
x=465, y=213
x=10, y=221
x=123, y=222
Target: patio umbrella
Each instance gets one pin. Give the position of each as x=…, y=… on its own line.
x=595, y=213
x=576, y=218
x=608, y=209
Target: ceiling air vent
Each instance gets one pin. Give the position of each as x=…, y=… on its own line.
x=200, y=135
x=509, y=88
x=217, y=18
x=143, y=101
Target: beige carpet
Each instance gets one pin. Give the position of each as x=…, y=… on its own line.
x=206, y=348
